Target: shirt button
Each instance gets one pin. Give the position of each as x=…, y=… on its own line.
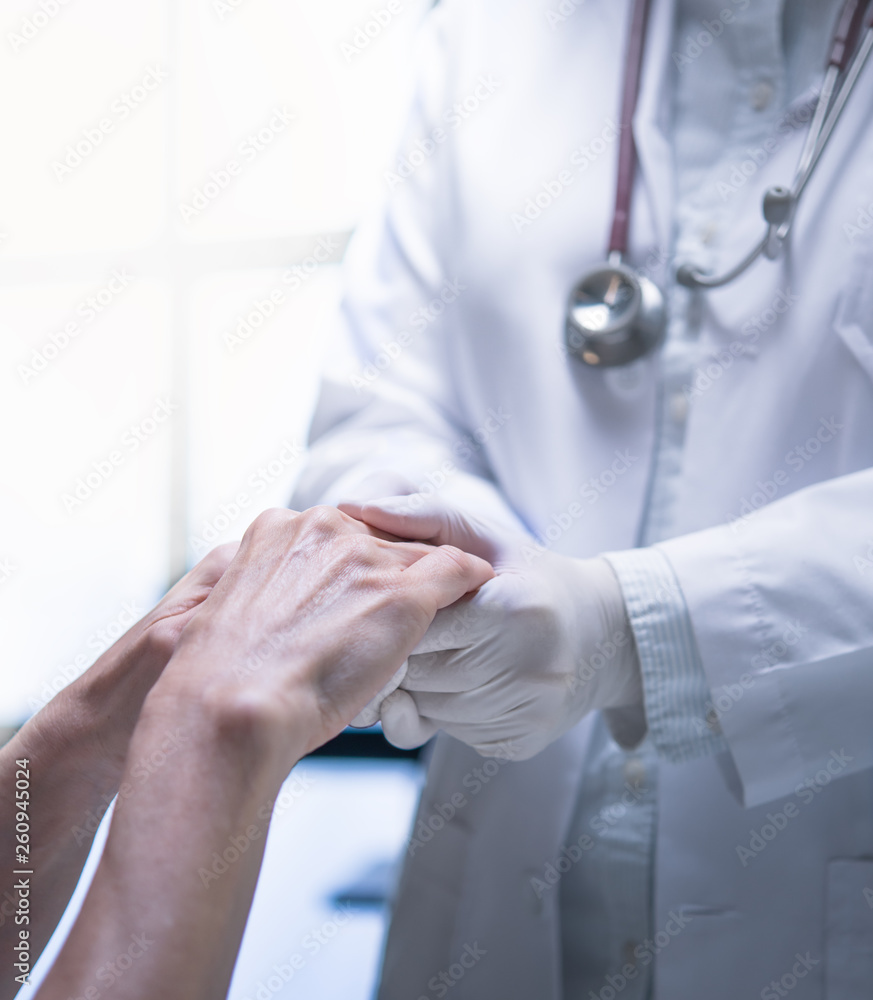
x=713, y=721
x=761, y=95
x=634, y=771
x=679, y=407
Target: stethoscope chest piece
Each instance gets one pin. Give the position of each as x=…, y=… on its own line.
x=614, y=316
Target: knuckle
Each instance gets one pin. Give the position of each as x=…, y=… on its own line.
x=322, y=519
x=270, y=520
x=217, y=558
x=224, y=551
x=457, y=558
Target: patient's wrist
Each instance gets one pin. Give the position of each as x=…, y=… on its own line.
x=266, y=728
x=73, y=740
x=83, y=734
x=105, y=702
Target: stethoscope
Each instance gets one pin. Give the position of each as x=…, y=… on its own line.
x=615, y=315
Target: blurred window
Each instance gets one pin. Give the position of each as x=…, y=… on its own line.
x=169, y=168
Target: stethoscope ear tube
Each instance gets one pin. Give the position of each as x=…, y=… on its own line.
x=780, y=203
x=690, y=276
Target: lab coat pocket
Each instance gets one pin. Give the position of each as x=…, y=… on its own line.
x=854, y=316
x=849, y=929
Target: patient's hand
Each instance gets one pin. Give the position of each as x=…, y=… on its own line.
x=313, y=616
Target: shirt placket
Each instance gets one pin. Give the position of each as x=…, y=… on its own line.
x=623, y=786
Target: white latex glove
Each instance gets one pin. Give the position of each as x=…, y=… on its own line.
x=520, y=662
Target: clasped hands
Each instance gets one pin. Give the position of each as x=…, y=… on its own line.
x=317, y=614
x=265, y=651
x=515, y=665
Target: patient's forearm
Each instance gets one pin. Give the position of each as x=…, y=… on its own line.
x=149, y=899
x=69, y=786
x=76, y=747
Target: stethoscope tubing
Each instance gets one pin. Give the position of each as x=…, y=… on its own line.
x=828, y=113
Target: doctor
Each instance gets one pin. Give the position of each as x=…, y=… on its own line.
x=683, y=540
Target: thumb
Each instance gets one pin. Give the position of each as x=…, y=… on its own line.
x=422, y=518
x=401, y=723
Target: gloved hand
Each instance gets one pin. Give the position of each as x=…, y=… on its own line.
x=521, y=661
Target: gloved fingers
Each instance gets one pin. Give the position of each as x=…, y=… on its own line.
x=402, y=724
x=423, y=518
x=384, y=483
x=463, y=623
x=411, y=718
x=478, y=710
x=491, y=716
x=448, y=672
x=369, y=714
x=509, y=749
x=494, y=614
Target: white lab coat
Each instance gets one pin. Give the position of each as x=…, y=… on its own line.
x=482, y=401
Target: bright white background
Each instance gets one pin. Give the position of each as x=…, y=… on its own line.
x=74, y=573
x=71, y=572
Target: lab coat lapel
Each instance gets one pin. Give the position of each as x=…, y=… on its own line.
x=651, y=122
x=502, y=836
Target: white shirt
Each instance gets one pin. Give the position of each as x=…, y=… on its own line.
x=728, y=97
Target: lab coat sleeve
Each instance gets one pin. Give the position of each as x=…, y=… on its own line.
x=679, y=714
x=387, y=402
x=781, y=605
